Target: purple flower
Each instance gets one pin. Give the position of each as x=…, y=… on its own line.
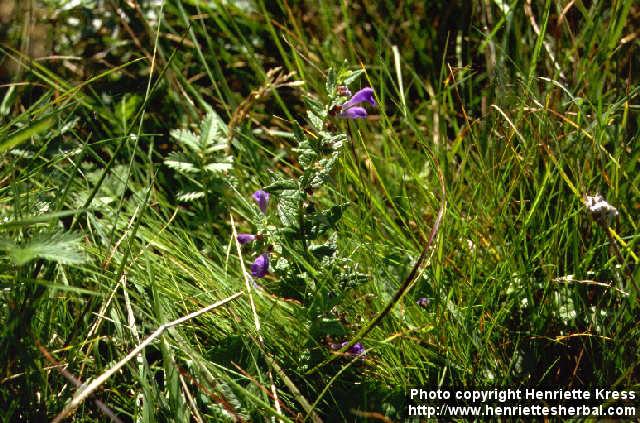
x=245, y=238
x=350, y=110
x=423, y=302
x=356, y=349
x=355, y=112
x=260, y=266
x=365, y=94
x=262, y=198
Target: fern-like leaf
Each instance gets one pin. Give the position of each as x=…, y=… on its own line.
x=190, y=196
x=186, y=138
x=218, y=167
x=213, y=130
x=181, y=163
x=63, y=248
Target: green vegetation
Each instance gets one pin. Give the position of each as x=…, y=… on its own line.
x=134, y=133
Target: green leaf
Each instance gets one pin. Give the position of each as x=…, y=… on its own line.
x=316, y=107
x=7, y=101
x=24, y=134
x=127, y=107
x=281, y=185
x=218, y=167
x=328, y=249
x=306, y=156
x=333, y=142
x=189, y=196
x=67, y=288
x=213, y=130
x=316, y=121
x=348, y=77
x=282, y=265
x=181, y=163
x=63, y=248
x=318, y=223
x=320, y=175
x=289, y=208
x=186, y=138
x=43, y=218
x=328, y=326
x=349, y=280
x=216, y=147
x=298, y=133
x=332, y=82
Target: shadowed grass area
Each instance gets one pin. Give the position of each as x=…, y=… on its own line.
x=132, y=133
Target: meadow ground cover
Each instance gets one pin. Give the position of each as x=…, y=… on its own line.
x=296, y=211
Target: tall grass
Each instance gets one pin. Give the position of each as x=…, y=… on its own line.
x=523, y=107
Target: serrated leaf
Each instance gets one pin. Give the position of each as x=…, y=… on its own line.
x=316, y=121
x=282, y=265
x=334, y=142
x=281, y=185
x=218, y=167
x=298, y=133
x=180, y=166
x=216, y=147
x=186, y=138
x=306, y=156
x=288, y=208
x=190, y=196
x=319, y=175
x=213, y=130
x=63, y=248
x=316, y=107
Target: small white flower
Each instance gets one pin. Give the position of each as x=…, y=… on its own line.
x=96, y=23
x=599, y=208
x=470, y=245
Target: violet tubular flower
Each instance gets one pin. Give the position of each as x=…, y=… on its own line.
x=262, y=198
x=355, y=112
x=260, y=266
x=351, y=110
x=364, y=95
x=355, y=349
x=245, y=238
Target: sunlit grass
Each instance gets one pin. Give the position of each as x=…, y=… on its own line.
x=97, y=251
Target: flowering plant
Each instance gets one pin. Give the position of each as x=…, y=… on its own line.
x=301, y=249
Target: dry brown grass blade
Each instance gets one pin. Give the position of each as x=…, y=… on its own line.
x=83, y=393
x=76, y=382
